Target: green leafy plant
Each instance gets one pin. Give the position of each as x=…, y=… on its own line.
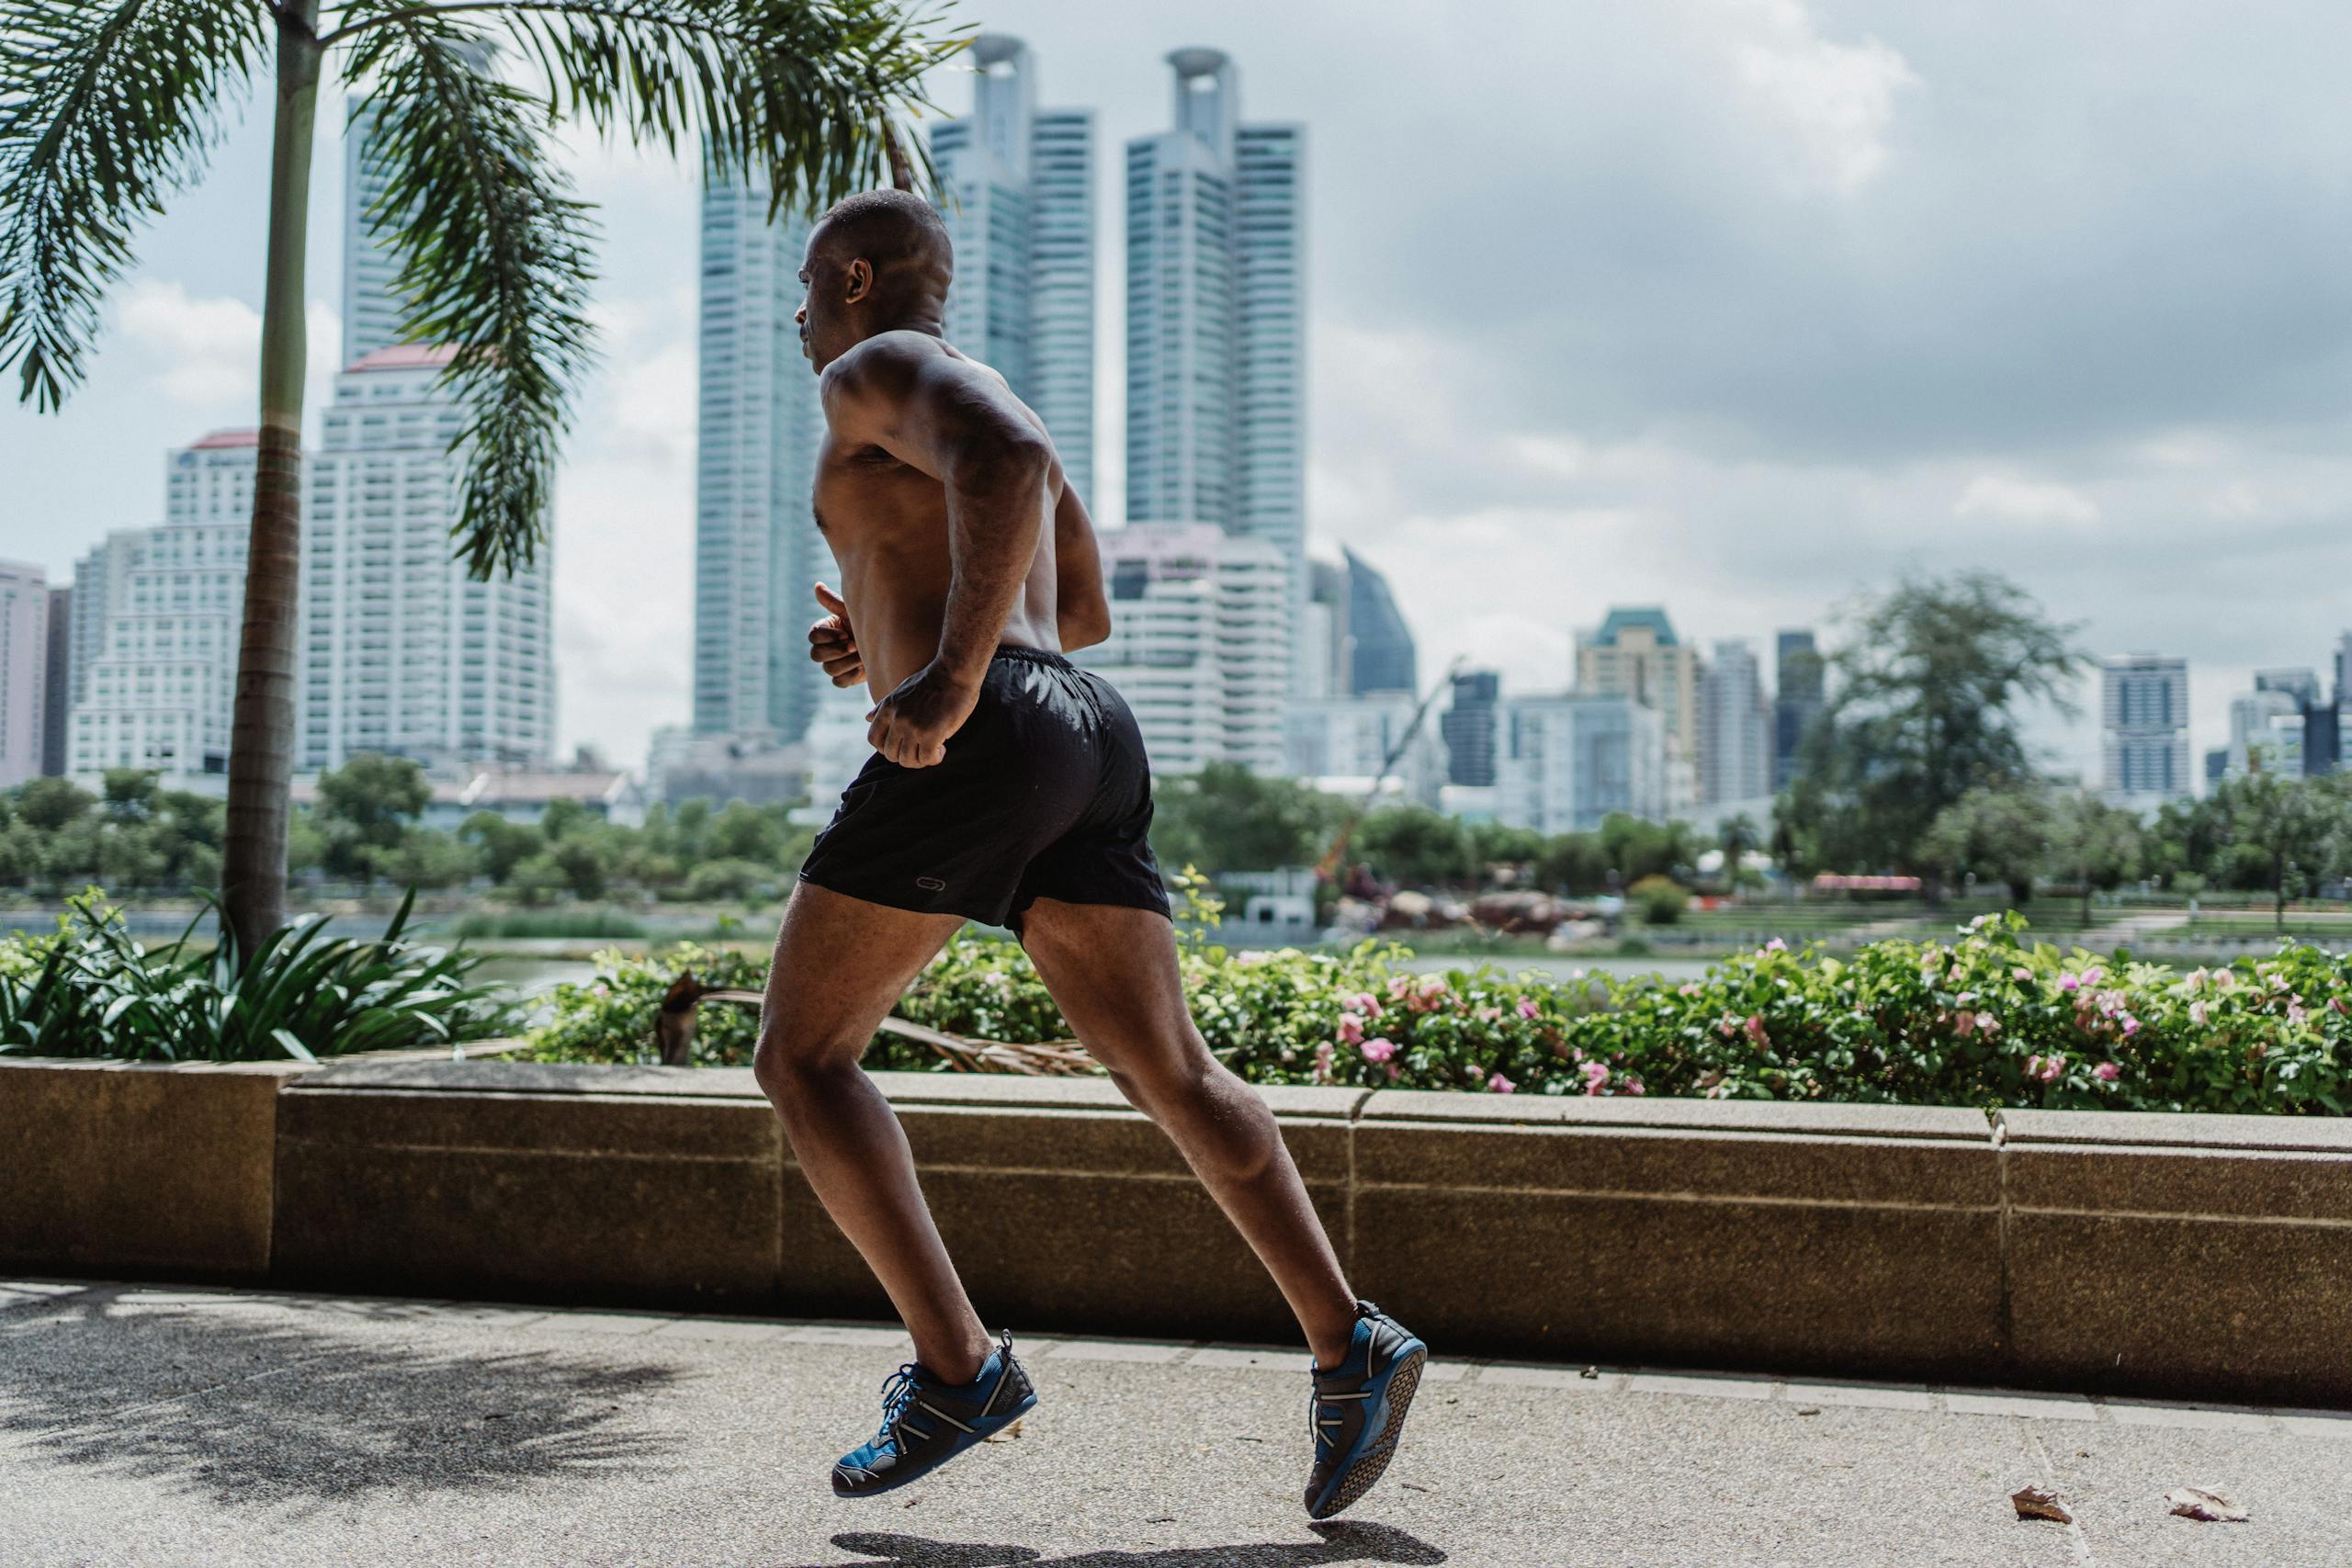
x=92, y=990
x=1984, y=1019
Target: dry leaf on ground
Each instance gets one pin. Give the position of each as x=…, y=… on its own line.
x=2040, y=1503
x=2213, y=1507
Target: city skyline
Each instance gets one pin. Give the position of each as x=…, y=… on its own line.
x=1632, y=471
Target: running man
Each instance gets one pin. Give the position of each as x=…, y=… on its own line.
x=1010, y=787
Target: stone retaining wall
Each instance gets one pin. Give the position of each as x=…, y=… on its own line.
x=2201, y=1257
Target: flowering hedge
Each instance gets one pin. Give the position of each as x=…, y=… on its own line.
x=1984, y=1019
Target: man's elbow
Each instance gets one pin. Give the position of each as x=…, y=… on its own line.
x=1084, y=625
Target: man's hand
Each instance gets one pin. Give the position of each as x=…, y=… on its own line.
x=912, y=725
x=833, y=644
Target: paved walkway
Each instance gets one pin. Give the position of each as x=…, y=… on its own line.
x=151, y=1425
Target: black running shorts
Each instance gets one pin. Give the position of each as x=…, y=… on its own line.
x=1045, y=794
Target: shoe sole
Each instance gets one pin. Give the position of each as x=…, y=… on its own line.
x=895, y=1479
x=1403, y=1384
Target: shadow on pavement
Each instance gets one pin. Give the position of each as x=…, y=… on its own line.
x=1344, y=1542
x=251, y=1409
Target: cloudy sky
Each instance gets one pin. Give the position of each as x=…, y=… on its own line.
x=1742, y=306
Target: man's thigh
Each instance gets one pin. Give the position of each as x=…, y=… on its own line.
x=1113, y=972
x=841, y=964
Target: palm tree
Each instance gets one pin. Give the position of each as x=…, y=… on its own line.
x=109, y=107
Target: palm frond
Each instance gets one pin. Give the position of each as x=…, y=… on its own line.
x=495, y=262
x=106, y=110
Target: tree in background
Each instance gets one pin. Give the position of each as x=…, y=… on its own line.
x=2003, y=833
x=1737, y=837
x=2096, y=846
x=107, y=112
x=1923, y=707
x=1412, y=846
x=366, y=808
x=1225, y=818
x=2289, y=832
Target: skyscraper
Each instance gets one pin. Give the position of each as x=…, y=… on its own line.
x=1469, y=727
x=1735, y=728
x=23, y=670
x=1634, y=653
x=1381, y=657
x=57, y=684
x=401, y=652
x=1193, y=610
x=1017, y=187
x=1563, y=763
x=757, y=551
x=1798, y=695
x=157, y=613
x=1217, y=324
x=371, y=306
x=2144, y=724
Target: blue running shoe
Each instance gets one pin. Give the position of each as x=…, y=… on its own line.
x=1358, y=1409
x=925, y=1422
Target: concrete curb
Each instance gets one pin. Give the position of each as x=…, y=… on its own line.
x=2177, y=1257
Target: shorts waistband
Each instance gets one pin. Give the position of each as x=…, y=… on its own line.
x=1032, y=656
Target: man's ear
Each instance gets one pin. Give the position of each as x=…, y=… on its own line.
x=859, y=280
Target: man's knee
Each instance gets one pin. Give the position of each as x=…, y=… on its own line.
x=791, y=1057
x=1219, y=1120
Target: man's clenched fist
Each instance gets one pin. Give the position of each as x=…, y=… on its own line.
x=833, y=644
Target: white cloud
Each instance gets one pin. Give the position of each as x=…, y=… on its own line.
x=1835, y=101
x=2024, y=501
x=205, y=354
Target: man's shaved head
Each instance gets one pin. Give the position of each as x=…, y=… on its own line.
x=876, y=260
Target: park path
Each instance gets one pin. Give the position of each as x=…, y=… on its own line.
x=169, y=1426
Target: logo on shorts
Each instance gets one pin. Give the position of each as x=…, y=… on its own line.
x=931, y=883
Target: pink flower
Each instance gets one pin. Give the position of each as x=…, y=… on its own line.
x=2107, y=1072
x=1500, y=1084
x=2296, y=1015
x=1634, y=1084
x=1350, y=1029
x=1965, y=1025
x=1594, y=1075
x=2224, y=979
x=1691, y=989
x=1365, y=1003
x=2197, y=1012
x=1398, y=985
x=1755, y=1027
x=1988, y=1023
x=1323, y=1062
x=2337, y=1003
x=1776, y=945
x=1487, y=1015
x=2131, y=1025
x=2068, y=981
x=2094, y=975
x=2021, y=975
x=2051, y=1066
x=1527, y=1007
x=1379, y=1048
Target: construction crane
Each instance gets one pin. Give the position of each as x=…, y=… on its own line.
x=1328, y=868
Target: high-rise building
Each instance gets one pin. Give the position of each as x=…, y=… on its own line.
x=1469, y=728
x=157, y=616
x=57, y=684
x=1323, y=642
x=1799, y=693
x=2266, y=728
x=1381, y=655
x=1217, y=362
x=1192, y=611
x=1635, y=654
x=1348, y=741
x=401, y=652
x=1016, y=187
x=1563, y=763
x=2144, y=722
x=1735, y=728
x=371, y=304
x=757, y=551
x=24, y=671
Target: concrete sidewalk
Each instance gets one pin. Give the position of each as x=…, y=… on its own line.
x=152, y=1426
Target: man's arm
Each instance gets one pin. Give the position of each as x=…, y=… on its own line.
x=1082, y=613
x=950, y=419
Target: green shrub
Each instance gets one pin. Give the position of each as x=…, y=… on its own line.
x=92, y=990
x=1661, y=899
x=1984, y=1019
x=544, y=923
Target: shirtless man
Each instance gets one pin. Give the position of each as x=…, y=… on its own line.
x=1008, y=786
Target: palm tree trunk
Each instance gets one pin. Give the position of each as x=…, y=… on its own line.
x=262, y=734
